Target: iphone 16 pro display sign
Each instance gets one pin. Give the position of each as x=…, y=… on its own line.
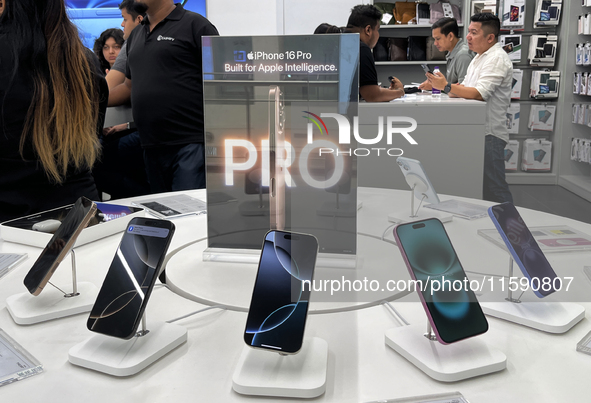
x=281, y=295
x=124, y=294
x=524, y=249
x=274, y=159
x=431, y=260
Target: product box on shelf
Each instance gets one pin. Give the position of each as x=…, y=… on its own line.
x=486, y=6
x=544, y=84
x=114, y=218
x=547, y=13
x=511, y=155
x=516, y=84
x=537, y=155
x=541, y=117
x=542, y=50
x=513, y=115
x=512, y=14
x=512, y=44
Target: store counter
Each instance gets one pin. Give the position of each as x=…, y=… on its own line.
x=540, y=366
x=450, y=137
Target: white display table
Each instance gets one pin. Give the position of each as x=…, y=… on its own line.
x=361, y=367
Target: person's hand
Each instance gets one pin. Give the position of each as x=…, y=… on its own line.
x=106, y=71
x=425, y=86
x=107, y=131
x=396, y=84
x=437, y=80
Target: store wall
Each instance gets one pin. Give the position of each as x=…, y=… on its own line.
x=277, y=17
x=246, y=17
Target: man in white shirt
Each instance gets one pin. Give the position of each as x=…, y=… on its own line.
x=488, y=78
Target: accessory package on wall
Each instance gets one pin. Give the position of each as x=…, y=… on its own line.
x=512, y=44
x=542, y=50
x=481, y=7
x=545, y=84
x=512, y=14
x=547, y=13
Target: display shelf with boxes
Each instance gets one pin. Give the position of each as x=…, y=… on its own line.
x=397, y=35
x=534, y=100
x=574, y=175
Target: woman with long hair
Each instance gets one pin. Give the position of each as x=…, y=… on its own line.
x=52, y=104
x=107, y=47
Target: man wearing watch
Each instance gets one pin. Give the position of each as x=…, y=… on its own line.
x=488, y=79
x=445, y=32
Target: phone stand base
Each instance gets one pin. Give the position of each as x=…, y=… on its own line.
x=447, y=363
x=400, y=217
x=227, y=255
x=127, y=357
x=551, y=317
x=27, y=309
x=264, y=373
x=333, y=209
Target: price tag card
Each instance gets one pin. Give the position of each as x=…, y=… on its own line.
x=16, y=363
x=455, y=397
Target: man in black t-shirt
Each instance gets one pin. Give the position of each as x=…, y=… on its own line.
x=164, y=62
x=365, y=20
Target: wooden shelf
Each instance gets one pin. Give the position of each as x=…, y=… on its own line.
x=411, y=26
x=411, y=63
x=531, y=178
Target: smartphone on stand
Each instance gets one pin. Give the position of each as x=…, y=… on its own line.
x=279, y=305
x=417, y=178
x=431, y=260
x=60, y=245
x=130, y=279
x=524, y=249
x=276, y=158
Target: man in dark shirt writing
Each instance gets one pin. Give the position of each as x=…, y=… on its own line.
x=164, y=64
x=365, y=20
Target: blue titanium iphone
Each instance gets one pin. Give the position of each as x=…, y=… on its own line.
x=524, y=249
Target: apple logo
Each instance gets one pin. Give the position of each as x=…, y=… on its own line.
x=250, y=55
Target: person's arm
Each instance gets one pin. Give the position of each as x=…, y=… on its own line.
x=425, y=86
x=121, y=94
x=375, y=93
x=114, y=78
x=438, y=81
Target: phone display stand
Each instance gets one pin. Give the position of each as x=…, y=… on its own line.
x=52, y=303
x=265, y=373
x=551, y=317
x=446, y=363
x=119, y=357
x=417, y=184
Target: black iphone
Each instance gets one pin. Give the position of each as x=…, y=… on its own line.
x=451, y=305
x=281, y=295
x=60, y=244
x=124, y=294
x=426, y=68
